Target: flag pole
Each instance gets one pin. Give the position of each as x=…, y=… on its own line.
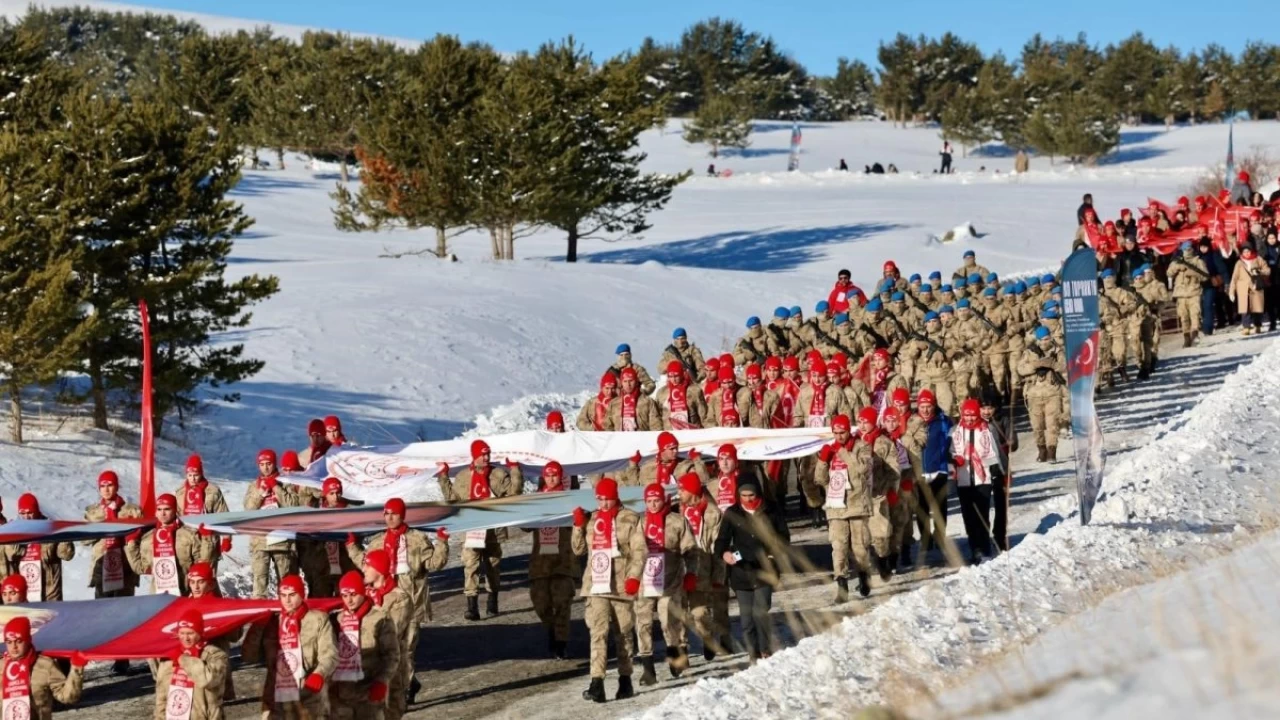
x=147, y=473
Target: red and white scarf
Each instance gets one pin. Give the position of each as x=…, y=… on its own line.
x=111, y=510
x=164, y=559
x=678, y=407
x=726, y=490
x=289, y=669
x=480, y=489
x=694, y=514
x=396, y=548
x=629, y=402
x=666, y=473
x=601, y=414
x=350, y=664
x=17, y=686
x=193, y=498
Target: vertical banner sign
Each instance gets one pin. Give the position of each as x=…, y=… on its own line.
x=793, y=162
x=147, y=473
x=1080, y=321
x=1231, y=156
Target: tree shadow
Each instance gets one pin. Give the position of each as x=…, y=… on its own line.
x=766, y=250
x=761, y=128
x=749, y=153
x=275, y=414
x=259, y=185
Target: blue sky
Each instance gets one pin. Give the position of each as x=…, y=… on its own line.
x=816, y=33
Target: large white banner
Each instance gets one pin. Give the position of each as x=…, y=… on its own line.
x=376, y=474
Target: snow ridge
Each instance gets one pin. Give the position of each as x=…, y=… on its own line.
x=1177, y=498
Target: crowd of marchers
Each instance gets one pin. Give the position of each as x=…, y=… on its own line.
x=916, y=382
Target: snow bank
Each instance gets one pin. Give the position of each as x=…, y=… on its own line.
x=1188, y=493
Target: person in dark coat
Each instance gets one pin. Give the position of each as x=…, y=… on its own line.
x=753, y=539
x=1210, y=286
x=1087, y=204
x=1007, y=436
x=1270, y=253
x=1130, y=258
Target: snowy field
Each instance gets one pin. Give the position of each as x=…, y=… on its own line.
x=414, y=348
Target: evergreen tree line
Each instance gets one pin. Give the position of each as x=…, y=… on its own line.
x=108, y=198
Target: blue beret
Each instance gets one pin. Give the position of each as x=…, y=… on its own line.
x=993, y=277
x=821, y=307
x=899, y=295
x=960, y=282
x=678, y=333
x=1048, y=278
x=990, y=292
x=781, y=312
x=622, y=348
x=1020, y=287
x=963, y=304
x=1049, y=304
x=1108, y=273
x=1185, y=246
x=753, y=321
x=795, y=309
x=945, y=310
x=926, y=288
x=945, y=288
x=1137, y=272
x=1050, y=314
x=1042, y=332
x=969, y=253
x=1033, y=282
x=874, y=304
x=915, y=277
x=975, y=278
x=931, y=315
x=935, y=275
x=842, y=318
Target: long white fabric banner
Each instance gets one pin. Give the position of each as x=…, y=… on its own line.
x=376, y=474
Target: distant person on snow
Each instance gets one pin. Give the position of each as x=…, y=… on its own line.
x=711, y=170
x=844, y=166
x=877, y=169
x=946, y=157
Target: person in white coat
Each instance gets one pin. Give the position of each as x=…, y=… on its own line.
x=977, y=466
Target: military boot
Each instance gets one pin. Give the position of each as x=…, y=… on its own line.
x=491, y=605
x=595, y=691
x=625, y=690
x=864, y=584
x=842, y=590
x=473, y=608
x=648, y=677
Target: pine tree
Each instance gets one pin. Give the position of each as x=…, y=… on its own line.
x=1221, y=75
x=722, y=121
x=145, y=186
x=966, y=119
x=852, y=89
x=274, y=76
x=900, y=93
x=417, y=144
x=338, y=80
x=1259, y=80
x=589, y=141
x=42, y=326
x=1128, y=73
x=506, y=170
